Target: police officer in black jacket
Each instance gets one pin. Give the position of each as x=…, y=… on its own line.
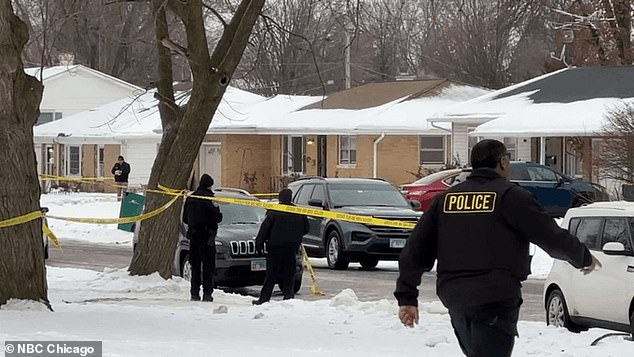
x=479, y=232
x=282, y=233
x=202, y=217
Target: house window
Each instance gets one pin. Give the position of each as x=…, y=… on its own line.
x=472, y=141
x=511, y=147
x=73, y=159
x=432, y=150
x=46, y=117
x=347, y=150
x=101, y=154
x=292, y=154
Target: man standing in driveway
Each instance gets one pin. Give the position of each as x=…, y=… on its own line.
x=282, y=233
x=121, y=171
x=479, y=232
x=202, y=217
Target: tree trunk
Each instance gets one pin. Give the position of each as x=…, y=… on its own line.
x=22, y=269
x=184, y=128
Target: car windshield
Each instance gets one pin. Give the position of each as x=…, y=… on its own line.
x=239, y=214
x=365, y=194
x=429, y=179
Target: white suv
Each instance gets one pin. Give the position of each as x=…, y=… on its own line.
x=605, y=297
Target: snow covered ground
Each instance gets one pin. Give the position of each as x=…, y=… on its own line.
x=85, y=205
x=147, y=316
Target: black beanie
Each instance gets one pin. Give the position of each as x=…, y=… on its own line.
x=206, y=181
x=286, y=196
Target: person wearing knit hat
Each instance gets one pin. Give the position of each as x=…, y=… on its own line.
x=281, y=233
x=202, y=217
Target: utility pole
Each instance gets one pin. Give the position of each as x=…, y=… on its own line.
x=349, y=27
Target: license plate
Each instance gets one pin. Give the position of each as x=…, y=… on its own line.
x=258, y=265
x=397, y=243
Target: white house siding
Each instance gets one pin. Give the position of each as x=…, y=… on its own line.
x=140, y=154
x=524, y=149
x=460, y=143
x=38, y=157
x=80, y=89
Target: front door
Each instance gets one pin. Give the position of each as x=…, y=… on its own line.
x=322, y=163
x=211, y=162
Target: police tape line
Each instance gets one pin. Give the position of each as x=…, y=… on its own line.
x=313, y=212
x=102, y=179
x=28, y=218
x=82, y=179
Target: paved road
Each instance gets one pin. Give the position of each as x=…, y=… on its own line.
x=368, y=285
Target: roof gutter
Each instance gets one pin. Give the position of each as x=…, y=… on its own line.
x=375, y=163
x=433, y=125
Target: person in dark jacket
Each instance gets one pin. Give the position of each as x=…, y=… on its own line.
x=282, y=234
x=479, y=232
x=121, y=171
x=202, y=217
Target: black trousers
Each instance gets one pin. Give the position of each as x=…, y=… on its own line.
x=202, y=256
x=487, y=330
x=280, y=269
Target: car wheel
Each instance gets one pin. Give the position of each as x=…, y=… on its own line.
x=557, y=312
x=369, y=263
x=335, y=255
x=186, y=268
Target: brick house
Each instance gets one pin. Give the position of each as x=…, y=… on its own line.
x=259, y=144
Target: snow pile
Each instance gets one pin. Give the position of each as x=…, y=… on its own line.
x=24, y=305
x=148, y=316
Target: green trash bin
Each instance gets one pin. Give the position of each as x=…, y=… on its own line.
x=131, y=205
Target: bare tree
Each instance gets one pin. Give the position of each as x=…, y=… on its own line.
x=617, y=154
x=22, y=270
x=184, y=127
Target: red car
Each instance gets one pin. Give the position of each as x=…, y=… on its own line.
x=425, y=189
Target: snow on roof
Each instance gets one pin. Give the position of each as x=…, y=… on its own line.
x=244, y=112
x=581, y=118
x=48, y=72
x=396, y=117
x=568, y=102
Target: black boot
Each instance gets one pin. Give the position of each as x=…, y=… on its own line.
x=208, y=297
x=195, y=298
x=258, y=302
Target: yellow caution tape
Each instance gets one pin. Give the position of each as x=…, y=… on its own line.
x=72, y=178
x=21, y=219
x=121, y=220
x=299, y=210
x=313, y=277
x=51, y=236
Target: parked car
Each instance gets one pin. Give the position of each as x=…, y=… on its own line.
x=554, y=190
x=342, y=242
x=605, y=297
x=425, y=189
x=237, y=262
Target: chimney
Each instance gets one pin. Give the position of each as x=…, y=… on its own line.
x=66, y=59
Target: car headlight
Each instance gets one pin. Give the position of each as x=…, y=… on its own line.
x=218, y=244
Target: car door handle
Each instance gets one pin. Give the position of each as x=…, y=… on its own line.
x=630, y=269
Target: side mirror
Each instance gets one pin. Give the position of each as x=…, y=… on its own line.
x=561, y=181
x=316, y=203
x=415, y=205
x=614, y=248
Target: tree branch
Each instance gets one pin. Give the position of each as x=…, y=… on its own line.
x=213, y=11
x=175, y=47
